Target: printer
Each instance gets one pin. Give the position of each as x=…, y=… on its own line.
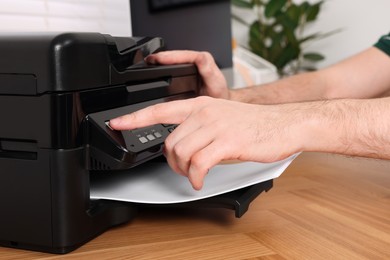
x=57, y=93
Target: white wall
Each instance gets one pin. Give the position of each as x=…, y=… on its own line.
x=105, y=16
x=362, y=23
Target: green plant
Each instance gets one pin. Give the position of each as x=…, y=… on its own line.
x=277, y=34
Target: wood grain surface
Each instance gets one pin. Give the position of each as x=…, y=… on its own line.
x=322, y=207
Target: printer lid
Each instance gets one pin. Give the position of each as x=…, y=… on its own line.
x=37, y=63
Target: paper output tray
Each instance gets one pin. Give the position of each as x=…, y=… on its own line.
x=237, y=200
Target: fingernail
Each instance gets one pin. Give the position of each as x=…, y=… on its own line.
x=150, y=60
x=115, y=121
x=193, y=176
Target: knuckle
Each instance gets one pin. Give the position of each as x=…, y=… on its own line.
x=207, y=112
x=182, y=154
x=197, y=163
x=168, y=144
x=179, y=151
x=155, y=111
x=202, y=99
x=205, y=58
x=132, y=116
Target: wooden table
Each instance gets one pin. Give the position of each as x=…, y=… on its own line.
x=322, y=207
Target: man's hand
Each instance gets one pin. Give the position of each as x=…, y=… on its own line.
x=212, y=130
x=213, y=82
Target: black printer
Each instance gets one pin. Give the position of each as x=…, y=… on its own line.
x=57, y=93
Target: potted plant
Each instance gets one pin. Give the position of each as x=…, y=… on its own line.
x=277, y=34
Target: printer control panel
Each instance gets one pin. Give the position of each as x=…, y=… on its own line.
x=110, y=149
x=143, y=138
x=146, y=135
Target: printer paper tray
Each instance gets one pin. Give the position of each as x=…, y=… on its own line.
x=231, y=186
x=238, y=200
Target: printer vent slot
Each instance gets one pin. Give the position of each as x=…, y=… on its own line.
x=97, y=165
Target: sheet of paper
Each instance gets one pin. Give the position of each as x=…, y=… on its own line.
x=156, y=183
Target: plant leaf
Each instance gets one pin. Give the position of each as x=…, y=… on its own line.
x=288, y=24
x=242, y=3
x=256, y=39
x=273, y=7
x=318, y=36
x=313, y=56
x=309, y=37
x=255, y=31
x=276, y=47
x=304, y=6
x=288, y=54
x=313, y=11
x=294, y=13
x=308, y=68
x=240, y=20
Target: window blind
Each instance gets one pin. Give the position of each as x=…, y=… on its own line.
x=105, y=16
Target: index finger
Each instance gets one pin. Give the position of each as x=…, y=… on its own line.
x=173, y=112
x=173, y=57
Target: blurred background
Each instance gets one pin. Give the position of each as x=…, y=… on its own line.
x=202, y=25
x=361, y=23
x=110, y=16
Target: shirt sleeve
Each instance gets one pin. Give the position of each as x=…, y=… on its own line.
x=384, y=44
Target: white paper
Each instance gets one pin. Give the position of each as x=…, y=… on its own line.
x=156, y=183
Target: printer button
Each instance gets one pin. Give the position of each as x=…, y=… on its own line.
x=143, y=139
x=172, y=128
x=157, y=134
x=150, y=137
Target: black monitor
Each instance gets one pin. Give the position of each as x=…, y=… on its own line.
x=202, y=25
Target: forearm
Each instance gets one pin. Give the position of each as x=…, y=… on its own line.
x=349, y=126
x=365, y=75
x=303, y=87
x=267, y=133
